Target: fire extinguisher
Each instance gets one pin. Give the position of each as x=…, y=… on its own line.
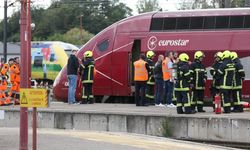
x=217, y=103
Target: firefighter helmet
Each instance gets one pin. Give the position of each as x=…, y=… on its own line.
x=233, y=55
x=226, y=54
x=150, y=54
x=219, y=55
x=198, y=55
x=88, y=54
x=183, y=57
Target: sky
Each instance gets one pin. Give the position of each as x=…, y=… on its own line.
x=165, y=4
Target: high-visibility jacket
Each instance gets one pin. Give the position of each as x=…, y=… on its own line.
x=15, y=73
x=87, y=68
x=227, y=72
x=198, y=75
x=141, y=72
x=167, y=72
x=239, y=74
x=215, y=74
x=183, y=77
x=4, y=69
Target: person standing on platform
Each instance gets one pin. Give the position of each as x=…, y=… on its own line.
x=237, y=83
x=141, y=71
x=151, y=80
x=215, y=87
x=72, y=69
x=159, y=83
x=182, y=85
x=167, y=69
x=87, y=73
x=198, y=80
x=226, y=72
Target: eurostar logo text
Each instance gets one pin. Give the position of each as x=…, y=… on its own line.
x=153, y=42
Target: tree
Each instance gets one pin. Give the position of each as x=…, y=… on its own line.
x=64, y=15
x=72, y=36
x=147, y=6
x=204, y=4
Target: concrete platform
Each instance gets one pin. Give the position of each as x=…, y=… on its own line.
x=158, y=121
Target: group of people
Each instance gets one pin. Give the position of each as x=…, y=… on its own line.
x=176, y=79
x=86, y=70
x=10, y=73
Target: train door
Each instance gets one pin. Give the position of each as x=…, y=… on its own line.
x=134, y=56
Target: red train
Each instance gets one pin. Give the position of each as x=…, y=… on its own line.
x=119, y=45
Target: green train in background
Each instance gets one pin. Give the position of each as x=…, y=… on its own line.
x=48, y=58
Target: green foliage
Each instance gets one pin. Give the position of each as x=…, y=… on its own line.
x=204, y=4
x=147, y=6
x=63, y=17
x=72, y=36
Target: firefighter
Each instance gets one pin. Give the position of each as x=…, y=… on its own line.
x=3, y=83
x=215, y=87
x=198, y=79
x=237, y=83
x=175, y=61
x=141, y=73
x=167, y=70
x=182, y=85
x=87, y=72
x=226, y=72
x=151, y=81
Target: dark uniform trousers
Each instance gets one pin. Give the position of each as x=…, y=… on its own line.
x=140, y=87
x=87, y=95
x=150, y=91
x=183, y=99
x=237, y=98
x=197, y=99
x=225, y=96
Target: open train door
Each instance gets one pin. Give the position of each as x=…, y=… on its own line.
x=134, y=56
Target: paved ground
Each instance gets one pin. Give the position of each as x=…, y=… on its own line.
x=51, y=139
x=129, y=109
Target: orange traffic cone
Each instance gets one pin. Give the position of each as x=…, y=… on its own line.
x=7, y=101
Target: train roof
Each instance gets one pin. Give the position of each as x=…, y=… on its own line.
x=203, y=12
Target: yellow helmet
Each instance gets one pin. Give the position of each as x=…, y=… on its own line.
x=226, y=54
x=150, y=54
x=88, y=54
x=183, y=57
x=219, y=55
x=233, y=55
x=198, y=54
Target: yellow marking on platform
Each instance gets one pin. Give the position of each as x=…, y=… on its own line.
x=149, y=143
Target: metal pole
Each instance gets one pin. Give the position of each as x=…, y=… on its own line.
x=5, y=32
x=23, y=144
x=34, y=122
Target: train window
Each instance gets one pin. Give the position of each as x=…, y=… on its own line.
x=52, y=58
x=236, y=21
x=183, y=23
x=156, y=24
x=38, y=61
x=247, y=22
x=169, y=24
x=222, y=22
x=209, y=22
x=103, y=46
x=196, y=23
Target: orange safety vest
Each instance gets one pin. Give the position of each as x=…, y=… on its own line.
x=141, y=73
x=167, y=72
x=4, y=70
